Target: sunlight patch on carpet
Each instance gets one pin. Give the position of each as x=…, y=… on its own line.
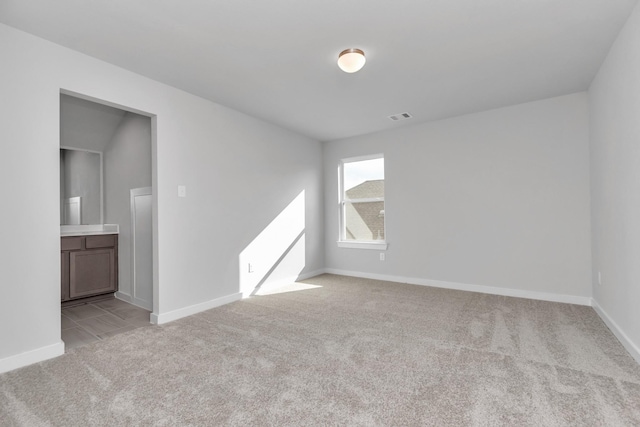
x=291, y=287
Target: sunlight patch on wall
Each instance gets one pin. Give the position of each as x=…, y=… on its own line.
x=277, y=255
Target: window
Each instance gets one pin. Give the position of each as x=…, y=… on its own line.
x=362, y=203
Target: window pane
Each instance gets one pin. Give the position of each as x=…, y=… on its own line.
x=364, y=221
x=364, y=179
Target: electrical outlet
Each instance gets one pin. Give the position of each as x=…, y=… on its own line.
x=250, y=268
x=599, y=278
x=381, y=256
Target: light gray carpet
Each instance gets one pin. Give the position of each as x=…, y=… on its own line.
x=348, y=352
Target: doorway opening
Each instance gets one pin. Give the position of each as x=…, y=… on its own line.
x=108, y=217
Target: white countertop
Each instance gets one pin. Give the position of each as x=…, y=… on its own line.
x=85, y=230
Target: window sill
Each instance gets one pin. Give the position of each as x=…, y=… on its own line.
x=378, y=246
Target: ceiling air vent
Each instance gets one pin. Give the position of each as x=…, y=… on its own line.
x=401, y=116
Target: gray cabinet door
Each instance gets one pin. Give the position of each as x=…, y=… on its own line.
x=92, y=272
x=64, y=279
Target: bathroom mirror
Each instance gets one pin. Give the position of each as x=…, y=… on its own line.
x=80, y=187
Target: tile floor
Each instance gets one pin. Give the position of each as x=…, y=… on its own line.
x=87, y=323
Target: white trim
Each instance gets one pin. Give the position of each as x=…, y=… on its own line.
x=105, y=102
x=378, y=246
x=342, y=200
x=131, y=300
x=309, y=275
x=123, y=297
x=30, y=357
x=626, y=342
x=518, y=293
x=362, y=158
x=170, y=316
x=133, y=193
x=364, y=200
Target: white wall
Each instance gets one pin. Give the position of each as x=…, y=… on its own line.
x=239, y=172
x=614, y=98
x=496, y=199
x=127, y=165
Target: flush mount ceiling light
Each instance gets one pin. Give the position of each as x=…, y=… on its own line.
x=351, y=60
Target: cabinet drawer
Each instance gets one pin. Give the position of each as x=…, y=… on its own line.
x=92, y=272
x=64, y=276
x=104, y=241
x=71, y=243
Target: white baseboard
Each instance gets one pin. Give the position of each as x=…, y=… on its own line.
x=124, y=297
x=161, y=318
x=629, y=345
x=133, y=301
x=309, y=275
x=518, y=293
x=33, y=356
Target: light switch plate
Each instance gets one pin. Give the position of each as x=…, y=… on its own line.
x=182, y=191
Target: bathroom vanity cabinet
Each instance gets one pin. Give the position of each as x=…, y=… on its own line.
x=89, y=266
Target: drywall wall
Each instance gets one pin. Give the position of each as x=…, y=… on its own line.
x=240, y=173
x=614, y=99
x=127, y=165
x=497, y=199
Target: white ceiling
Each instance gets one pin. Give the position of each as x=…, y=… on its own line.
x=276, y=59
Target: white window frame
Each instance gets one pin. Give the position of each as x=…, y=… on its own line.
x=380, y=245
